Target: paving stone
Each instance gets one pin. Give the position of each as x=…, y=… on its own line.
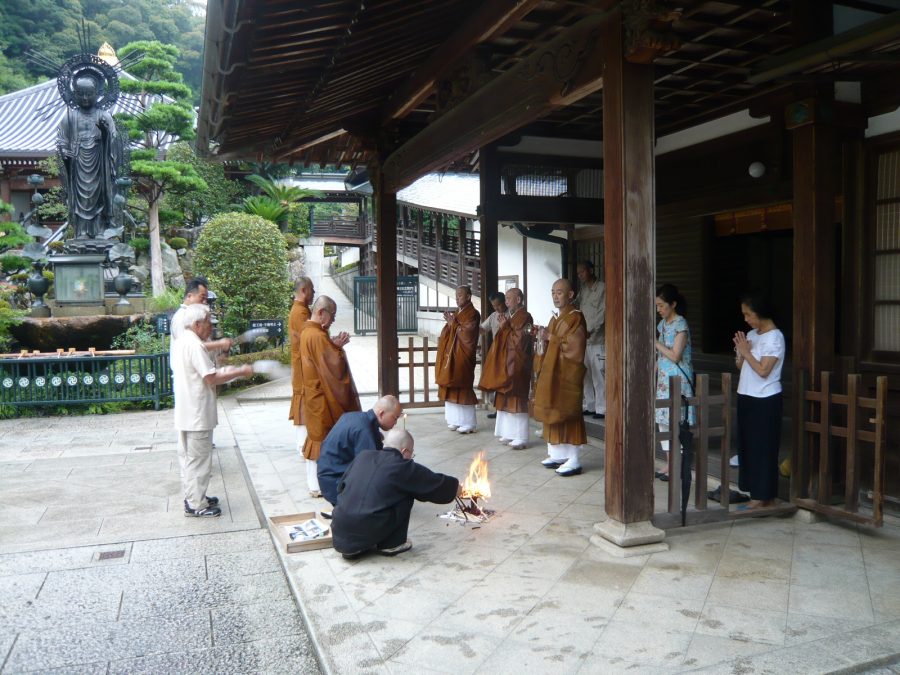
x=90, y=643
x=148, y=602
x=245, y=623
x=201, y=544
x=275, y=655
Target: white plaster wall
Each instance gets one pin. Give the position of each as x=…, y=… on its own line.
x=883, y=124
x=509, y=254
x=314, y=250
x=544, y=267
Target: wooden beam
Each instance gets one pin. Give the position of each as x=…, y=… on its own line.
x=629, y=256
x=386, y=288
x=556, y=74
x=489, y=19
x=489, y=184
x=584, y=210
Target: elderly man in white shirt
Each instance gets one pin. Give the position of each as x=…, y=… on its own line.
x=195, y=377
x=591, y=301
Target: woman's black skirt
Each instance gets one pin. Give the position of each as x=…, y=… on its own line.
x=759, y=434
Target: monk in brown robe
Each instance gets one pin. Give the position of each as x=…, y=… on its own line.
x=558, y=390
x=507, y=371
x=455, y=366
x=304, y=292
x=328, y=387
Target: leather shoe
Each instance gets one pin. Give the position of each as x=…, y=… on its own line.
x=565, y=473
x=405, y=546
x=598, y=416
x=664, y=477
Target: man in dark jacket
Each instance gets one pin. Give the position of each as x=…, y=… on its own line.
x=376, y=497
x=354, y=432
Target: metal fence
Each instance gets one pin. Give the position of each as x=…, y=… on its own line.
x=365, y=305
x=57, y=380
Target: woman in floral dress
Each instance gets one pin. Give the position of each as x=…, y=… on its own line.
x=673, y=349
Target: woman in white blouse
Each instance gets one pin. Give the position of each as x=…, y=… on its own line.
x=759, y=355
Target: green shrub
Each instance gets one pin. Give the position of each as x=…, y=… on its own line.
x=56, y=246
x=14, y=263
x=169, y=299
x=140, y=244
x=20, y=276
x=291, y=240
x=142, y=338
x=245, y=260
x=178, y=243
x=9, y=317
x=348, y=266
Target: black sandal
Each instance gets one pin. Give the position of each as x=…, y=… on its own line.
x=664, y=477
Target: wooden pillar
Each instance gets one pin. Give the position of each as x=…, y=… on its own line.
x=386, y=289
x=629, y=217
x=489, y=184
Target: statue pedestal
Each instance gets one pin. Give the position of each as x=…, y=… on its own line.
x=79, y=279
x=88, y=247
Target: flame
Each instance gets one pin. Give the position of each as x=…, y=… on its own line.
x=476, y=485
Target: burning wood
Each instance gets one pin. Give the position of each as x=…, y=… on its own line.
x=476, y=486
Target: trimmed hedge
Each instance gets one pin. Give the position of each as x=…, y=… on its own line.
x=245, y=260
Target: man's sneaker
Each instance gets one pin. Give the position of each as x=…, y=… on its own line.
x=211, y=501
x=405, y=546
x=208, y=512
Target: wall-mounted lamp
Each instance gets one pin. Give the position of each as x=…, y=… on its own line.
x=757, y=169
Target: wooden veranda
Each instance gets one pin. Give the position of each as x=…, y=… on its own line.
x=386, y=85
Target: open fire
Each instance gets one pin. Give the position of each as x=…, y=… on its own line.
x=476, y=486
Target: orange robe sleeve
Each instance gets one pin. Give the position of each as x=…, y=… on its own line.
x=558, y=391
x=507, y=366
x=328, y=387
x=298, y=317
x=457, y=350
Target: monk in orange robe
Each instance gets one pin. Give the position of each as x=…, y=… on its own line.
x=328, y=387
x=304, y=292
x=455, y=366
x=558, y=390
x=507, y=371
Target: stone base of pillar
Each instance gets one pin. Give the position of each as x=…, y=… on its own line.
x=808, y=517
x=628, y=540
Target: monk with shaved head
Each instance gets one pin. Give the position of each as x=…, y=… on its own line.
x=354, y=432
x=304, y=292
x=454, y=369
x=558, y=390
x=328, y=387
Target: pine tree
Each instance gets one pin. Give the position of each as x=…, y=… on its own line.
x=166, y=117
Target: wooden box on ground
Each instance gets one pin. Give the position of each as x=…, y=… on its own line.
x=281, y=524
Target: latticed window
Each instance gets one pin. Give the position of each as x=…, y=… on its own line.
x=886, y=296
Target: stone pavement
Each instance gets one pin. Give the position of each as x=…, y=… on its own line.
x=525, y=593
x=101, y=572
x=528, y=593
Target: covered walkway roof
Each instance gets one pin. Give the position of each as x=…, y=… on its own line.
x=337, y=82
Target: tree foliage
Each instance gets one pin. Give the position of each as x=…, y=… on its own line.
x=195, y=207
x=245, y=260
x=162, y=121
x=51, y=27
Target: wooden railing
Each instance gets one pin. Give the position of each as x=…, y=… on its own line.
x=811, y=488
x=704, y=406
x=349, y=228
x=418, y=362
